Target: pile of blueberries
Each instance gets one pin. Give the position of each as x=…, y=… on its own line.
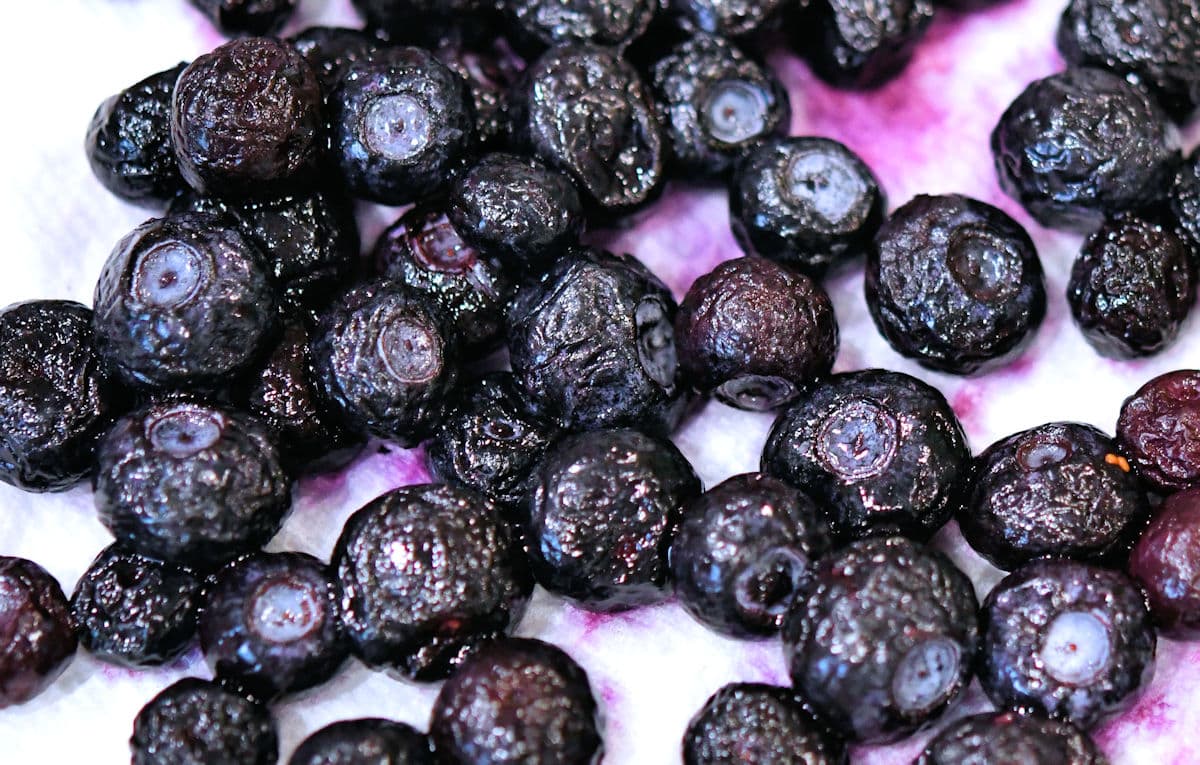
x=240, y=340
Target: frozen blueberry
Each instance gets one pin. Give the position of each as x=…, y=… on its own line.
x=1185, y=198
x=421, y=21
x=955, y=284
x=1083, y=143
x=196, y=722
x=600, y=514
x=585, y=110
x=518, y=210
x=56, y=395
x=426, y=574
x=128, y=142
x=334, y=51
x=1132, y=287
x=809, y=203
x=368, y=741
x=999, y=737
x=592, y=344
x=386, y=360
x=517, y=701
x=183, y=301
x=1159, y=431
x=750, y=722
x=1156, y=42
x=879, y=452
x=883, y=639
x=401, y=122
x=134, y=610
x=755, y=333
x=742, y=552
x=1060, y=489
x=271, y=625
x=247, y=17
x=491, y=69
x=612, y=23
x=488, y=441
x=1166, y=562
x=424, y=252
x=727, y=18
x=246, y=119
x=1065, y=639
x=182, y=480
x=36, y=635
x=862, y=44
x=716, y=104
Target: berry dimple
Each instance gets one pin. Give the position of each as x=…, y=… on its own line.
x=398, y=127
x=185, y=430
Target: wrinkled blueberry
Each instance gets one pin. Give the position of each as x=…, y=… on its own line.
x=999, y=737
x=727, y=18
x=862, y=44
x=491, y=70
x=955, y=284
x=1185, y=198
x=368, y=741
x=1166, y=562
x=37, y=638
x=878, y=451
x=421, y=21
x=334, y=51
x=755, y=333
x=1159, y=431
x=613, y=23
x=425, y=575
x=247, y=17
x=196, y=722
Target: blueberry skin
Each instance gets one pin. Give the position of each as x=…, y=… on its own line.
x=1159, y=431
x=491, y=69
x=128, y=142
x=197, y=722
x=425, y=575
x=1165, y=561
x=183, y=302
x=368, y=741
x=247, y=17
x=860, y=45
x=421, y=21
x=56, y=395
x=726, y=18
x=611, y=23
x=39, y=637
x=1011, y=737
x=334, y=51
x=1184, y=200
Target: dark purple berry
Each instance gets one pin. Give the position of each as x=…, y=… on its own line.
x=1065, y=639
x=196, y=722
x=491, y=70
x=754, y=723
x=334, y=51
x=755, y=333
x=612, y=23
x=426, y=574
x=128, y=142
x=809, y=203
x=600, y=514
x=1081, y=144
x=742, y=552
x=592, y=344
x=368, y=741
x=1185, y=198
x=884, y=638
x=1166, y=562
x=727, y=18
x=246, y=119
x=56, y=395
x=183, y=301
x=188, y=482
x=133, y=610
x=862, y=44
x=878, y=451
x=1009, y=737
x=36, y=634
x=1132, y=287
x=1159, y=431
x=247, y=17
x=517, y=701
x=420, y=21
x=955, y=284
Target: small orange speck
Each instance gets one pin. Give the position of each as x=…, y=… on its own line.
x=1118, y=460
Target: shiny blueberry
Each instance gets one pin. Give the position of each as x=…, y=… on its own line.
x=862, y=44
x=197, y=722
x=1166, y=562
x=751, y=722
x=996, y=737
x=1159, y=431
x=247, y=17
x=369, y=741
x=38, y=637
x=727, y=18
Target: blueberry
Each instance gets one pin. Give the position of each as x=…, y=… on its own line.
x=727, y=18
x=488, y=441
x=1132, y=287
x=422, y=21
x=1185, y=198
x=334, y=51
x=425, y=575
x=189, y=482
x=183, y=301
x=809, y=203
x=592, y=344
x=879, y=452
x=424, y=252
x=35, y=621
x=247, y=17
x=1060, y=489
x=491, y=69
x=400, y=121
x=517, y=210
x=995, y=737
x=750, y=722
x=56, y=395
x=600, y=514
x=385, y=358
x=613, y=23
x=517, y=701
x=133, y=610
x=955, y=284
x=1159, y=431
x=1081, y=144
x=883, y=639
x=128, y=142
x=742, y=552
x=585, y=111
x=755, y=333
x=862, y=44
x=368, y=741
x=195, y=722
x=1166, y=562
x=1065, y=639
